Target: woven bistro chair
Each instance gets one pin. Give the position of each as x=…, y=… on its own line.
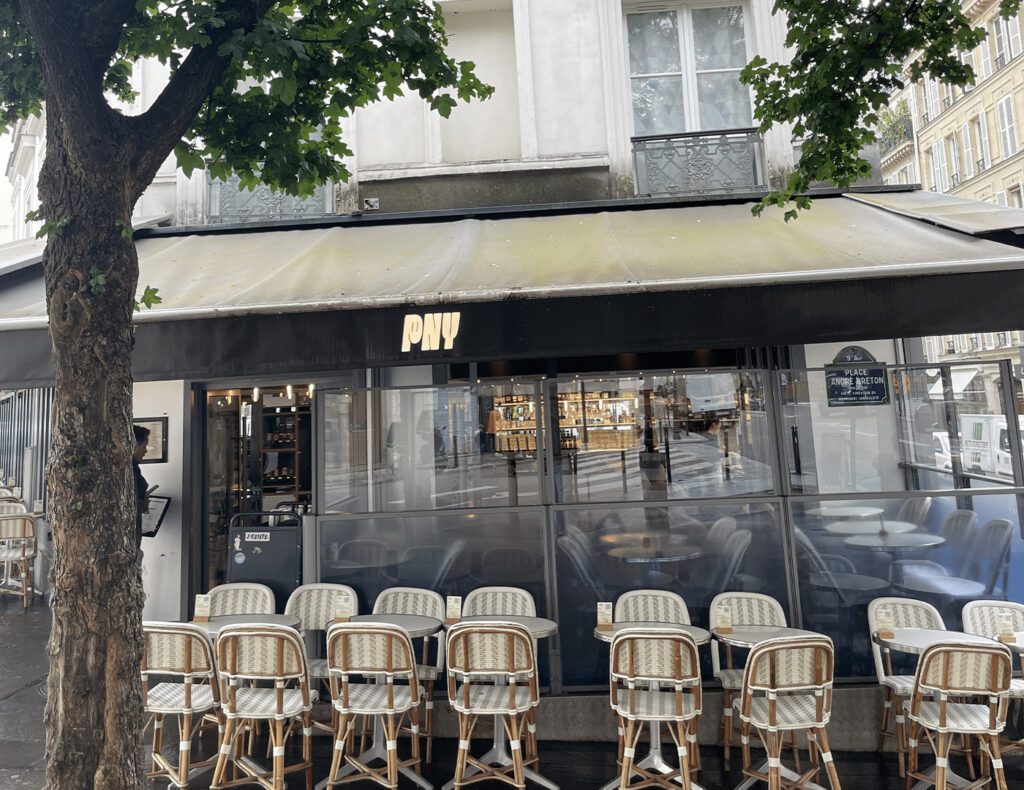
x=357, y=652
x=655, y=677
x=787, y=687
x=18, y=551
x=896, y=689
x=746, y=609
x=10, y=507
x=248, y=655
x=316, y=605
x=241, y=598
x=492, y=672
x=413, y=600
x=652, y=606
x=959, y=669
x=982, y=618
x=184, y=652
x=497, y=601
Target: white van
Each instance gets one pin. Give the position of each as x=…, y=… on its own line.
x=984, y=445
x=711, y=395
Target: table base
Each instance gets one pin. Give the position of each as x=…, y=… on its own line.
x=378, y=751
x=498, y=755
x=787, y=775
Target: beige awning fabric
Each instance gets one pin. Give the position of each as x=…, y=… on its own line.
x=959, y=378
x=946, y=211
x=538, y=256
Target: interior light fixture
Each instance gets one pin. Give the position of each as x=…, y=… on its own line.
x=289, y=391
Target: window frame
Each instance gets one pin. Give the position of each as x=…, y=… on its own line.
x=1007, y=126
x=687, y=53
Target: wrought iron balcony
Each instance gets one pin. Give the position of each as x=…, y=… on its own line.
x=700, y=163
x=230, y=204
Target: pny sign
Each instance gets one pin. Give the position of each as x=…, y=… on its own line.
x=428, y=330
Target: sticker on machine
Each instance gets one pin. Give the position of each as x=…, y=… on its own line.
x=257, y=537
x=239, y=558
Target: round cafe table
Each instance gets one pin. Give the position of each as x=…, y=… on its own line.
x=654, y=760
x=870, y=527
x=916, y=640
x=416, y=626
x=846, y=511
x=655, y=554
x=539, y=627
x=908, y=541
x=213, y=626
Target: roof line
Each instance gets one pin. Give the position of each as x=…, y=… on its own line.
x=495, y=212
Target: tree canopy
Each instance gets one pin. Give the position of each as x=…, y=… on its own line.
x=848, y=58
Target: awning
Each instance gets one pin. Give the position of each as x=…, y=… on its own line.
x=212, y=274
x=959, y=378
x=956, y=213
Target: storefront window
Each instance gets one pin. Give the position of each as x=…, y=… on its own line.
x=945, y=550
x=665, y=436
x=392, y=450
x=696, y=551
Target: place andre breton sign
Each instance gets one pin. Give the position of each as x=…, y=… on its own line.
x=852, y=379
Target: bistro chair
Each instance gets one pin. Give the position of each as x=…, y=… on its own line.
x=18, y=551
x=11, y=507
x=241, y=598
x=914, y=510
x=982, y=618
x=719, y=534
x=498, y=601
x=959, y=669
x=655, y=677
x=652, y=606
x=184, y=652
x=427, y=603
x=896, y=689
x=787, y=687
x=316, y=605
x=248, y=655
x=492, y=672
x=746, y=609
x=357, y=652
x=989, y=559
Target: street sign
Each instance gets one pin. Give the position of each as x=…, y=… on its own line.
x=855, y=385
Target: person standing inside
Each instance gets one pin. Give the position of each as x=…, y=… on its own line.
x=141, y=486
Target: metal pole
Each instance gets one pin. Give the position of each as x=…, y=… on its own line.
x=953, y=431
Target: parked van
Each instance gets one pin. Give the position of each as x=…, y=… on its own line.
x=711, y=395
x=984, y=445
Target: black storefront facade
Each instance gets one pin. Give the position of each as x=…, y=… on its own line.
x=587, y=438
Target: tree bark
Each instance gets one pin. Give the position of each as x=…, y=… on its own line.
x=94, y=714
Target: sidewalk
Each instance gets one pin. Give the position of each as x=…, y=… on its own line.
x=23, y=635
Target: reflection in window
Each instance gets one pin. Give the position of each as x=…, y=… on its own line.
x=657, y=437
x=673, y=93
x=942, y=550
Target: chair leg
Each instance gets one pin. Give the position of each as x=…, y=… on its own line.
x=515, y=726
x=745, y=744
x=821, y=738
x=226, y=741
x=912, y=756
x=775, y=740
x=633, y=730
x=340, y=736
x=693, y=746
x=901, y=736
x=727, y=712
x=391, y=733
x=941, y=759
x=414, y=726
x=463, y=753
x=429, y=722
x=965, y=744
x=276, y=730
x=158, y=738
x=681, y=733
x=184, y=746
x=307, y=747
x=997, y=762
x=883, y=726
x=794, y=750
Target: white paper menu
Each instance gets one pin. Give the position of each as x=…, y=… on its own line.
x=723, y=619
x=604, y=615
x=453, y=609
x=202, y=611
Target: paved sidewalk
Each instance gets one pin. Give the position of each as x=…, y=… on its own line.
x=23, y=635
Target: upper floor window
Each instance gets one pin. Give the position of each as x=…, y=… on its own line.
x=684, y=65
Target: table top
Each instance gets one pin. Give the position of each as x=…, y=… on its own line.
x=637, y=537
x=938, y=584
x=539, y=627
x=700, y=635
x=869, y=527
x=750, y=635
x=917, y=640
x=220, y=621
x=414, y=624
x=849, y=582
x=845, y=511
x=660, y=552
x=907, y=541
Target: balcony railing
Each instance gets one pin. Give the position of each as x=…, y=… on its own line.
x=700, y=163
x=887, y=145
x=230, y=204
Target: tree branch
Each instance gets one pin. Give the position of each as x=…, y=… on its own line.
x=163, y=125
x=102, y=22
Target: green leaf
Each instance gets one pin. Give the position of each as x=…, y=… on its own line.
x=150, y=297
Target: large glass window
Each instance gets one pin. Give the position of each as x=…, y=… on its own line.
x=945, y=550
x=437, y=448
x=696, y=551
x=684, y=69
x=665, y=436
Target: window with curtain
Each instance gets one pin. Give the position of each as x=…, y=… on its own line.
x=684, y=65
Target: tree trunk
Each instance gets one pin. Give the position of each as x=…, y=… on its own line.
x=94, y=715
